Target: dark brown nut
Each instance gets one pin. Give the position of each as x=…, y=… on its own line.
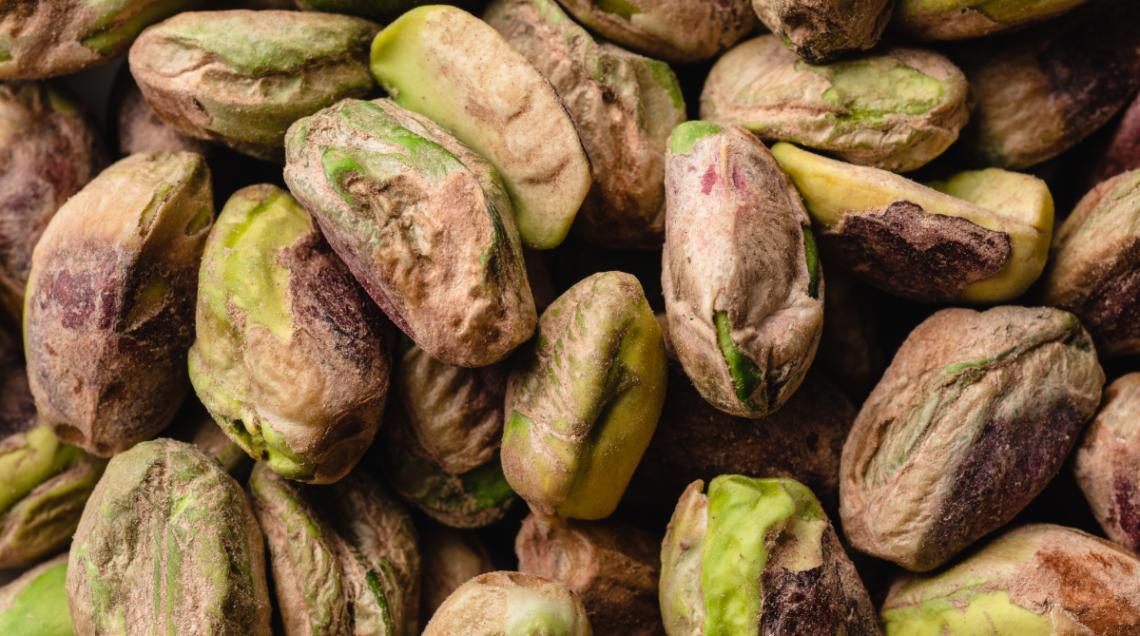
x=49, y=149
x=510, y=604
x=1034, y=580
x=975, y=415
x=109, y=313
x=1122, y=153
x=1093, y=266
x=139, y=129
x=849, y=352
x=1041, y=91
x=820, y=31
x=964, y=19
x=612, y=568
x=194, y=425
x=448, y=559
x=743, y=284
x=423, y=223
x=625, y=106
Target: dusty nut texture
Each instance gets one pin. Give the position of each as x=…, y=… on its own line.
x=109, y=313
x=981, y=236
x=453, y=68
x=1093, y=263
x=41, y=38
x=292, y=357
x=36, y=603
x=1034, y=580
x=583, y=399
x=194, y=425
x=140, y=129
x=965, y=19
x=820, y=31
x=758, y=557
x=510, y=603
x=344, y=557
x=625, y=106
x=448, y=558
x=975, y=415
x=612, y=568
x=440, y=440
x=670, y=30
x=743, y=284
x=49, y=150
x=1041, y=91
x=894, y=109
x=241, y=78
x=422, y=222
x=1107, y=462
x=849, y=351
x=168, y=539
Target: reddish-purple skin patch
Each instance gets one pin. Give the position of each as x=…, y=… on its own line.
x=1112, y=315
x=708, y=180
x=1125, y=497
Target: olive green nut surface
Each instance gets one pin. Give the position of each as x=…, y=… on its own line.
x=895, y=109
x=964, y=19
x=975, y=415
x=168, y=541
x=241, y=78
x=510, y=604
x=449, y=558
x=583, y=399
x=742, y=280
x=1036, y=580
x=36, y=603
x=625, y=106
x=109, y=311
x=979, y=237
x=423, y=223
x=819, y=31
x=758, y=557
x=292, y=357
x=344, y=557
x=1093, y=265
x=455, y=69
x=140, y=129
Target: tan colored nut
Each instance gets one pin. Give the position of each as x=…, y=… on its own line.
x=1107, y=462
x=448, y=558
x=820, y=31
x=510, y=603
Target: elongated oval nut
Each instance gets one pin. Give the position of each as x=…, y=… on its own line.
x=510, y=603
x=961, y=20
x=36, y=603
x=742, y=281
x=819, y=31
x=449, y=558
x=422, y=222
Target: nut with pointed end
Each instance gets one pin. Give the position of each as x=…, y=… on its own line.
x=449, y=558
x=510, y=604
x=965, y=19
x=36, y=603
x=820, y=31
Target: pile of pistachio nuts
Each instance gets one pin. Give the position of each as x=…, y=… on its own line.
x=379, y=318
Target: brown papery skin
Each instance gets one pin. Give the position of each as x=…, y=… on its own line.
x=448, y=558
x=821, y=31
x=140, y=129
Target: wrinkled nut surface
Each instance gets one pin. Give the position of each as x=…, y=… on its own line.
x=109, y=313
x=611, y=567
x=510, y=603
x=758, y=557
x=894, y=109
x=440, y=440
x=742, y=281
x=241, y=78
x=981, y=236
x=965, y=19
x=292, y=357
x=191, y=556
x=448, y=558
x=49, y=150
x=625, y=106
x=975, y=415
x=344, y=557
x=36, y=603
x=49, y=38
x=819, y=31
x=422, y=222
x=453, y=68
x=583, y=399
x=1093, y=266
x=140, y=129
x=1034, y=580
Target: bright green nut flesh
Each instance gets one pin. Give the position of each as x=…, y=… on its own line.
x=36, y=603
x=583, y=399
x=241, y=78
x=453, y=68
x=510, y=604
x=964, y=19
x=188, y=561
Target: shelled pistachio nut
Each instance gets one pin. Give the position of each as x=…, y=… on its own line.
x=819, y=31
x=979, y=237
x=108, y=316
x=448, y=558
x=36, y=603
x=758, y=556
x=625, y=106
x=894, y=109
x=344, y=557
x=241, y=78
x=193, y=424
x=961, y=20
x=421, y=221
x=583, y=399
x=136, y=127
x=742, y=281
x=1036, y=579
x=190, y=559
x=49, y=149
x=46, y=39
x=510, y=603
x=849, y=350
x=453, y=68
x=1092, y=269
x=975, y=415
